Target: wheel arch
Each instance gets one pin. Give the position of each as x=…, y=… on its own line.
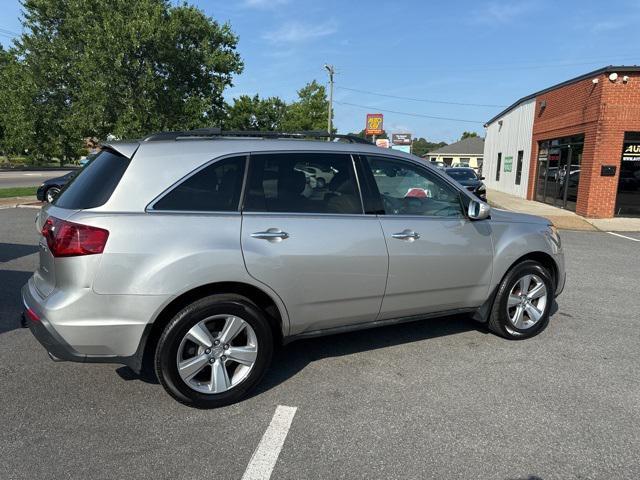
x=543, y=258
x=262, y=299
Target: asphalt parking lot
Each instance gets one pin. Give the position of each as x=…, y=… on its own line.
x=437, y=399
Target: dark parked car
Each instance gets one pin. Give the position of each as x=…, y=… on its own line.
x=50, y=188
x=48, y=191
x=468, y=178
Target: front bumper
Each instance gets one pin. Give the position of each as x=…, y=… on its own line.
x=40, y=193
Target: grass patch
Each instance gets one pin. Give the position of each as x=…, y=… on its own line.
x=17, y=192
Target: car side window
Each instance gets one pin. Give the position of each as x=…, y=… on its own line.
x=215, y=188
x=407, y=189
x=302, y=183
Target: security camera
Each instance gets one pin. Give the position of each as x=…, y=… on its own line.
x=595, y=81
x=625, y=79
x=613, y=77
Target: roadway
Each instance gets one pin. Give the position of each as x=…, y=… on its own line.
x=31, y=178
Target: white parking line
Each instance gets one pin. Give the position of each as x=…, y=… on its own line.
x=265, y=456
x=624, y=236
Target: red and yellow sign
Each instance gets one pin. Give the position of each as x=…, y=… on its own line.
x=374, y=124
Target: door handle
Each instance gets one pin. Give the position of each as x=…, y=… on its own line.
x=272, y=235
x=407, y=234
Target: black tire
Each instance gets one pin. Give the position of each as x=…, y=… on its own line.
x=166, y=352
x=499, y=322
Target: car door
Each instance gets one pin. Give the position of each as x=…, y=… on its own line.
x=312, y=244
x=439, y=260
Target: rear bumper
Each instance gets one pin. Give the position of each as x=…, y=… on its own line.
x=69, y=333
x=52, y=342
x=59, y=350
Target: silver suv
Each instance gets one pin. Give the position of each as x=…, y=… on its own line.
x=199, y=252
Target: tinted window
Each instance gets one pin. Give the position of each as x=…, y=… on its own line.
x=215, y=188
x=95, y=183
x=302, y=183
x=462, y=174
x=519, y=167
x=407, y=189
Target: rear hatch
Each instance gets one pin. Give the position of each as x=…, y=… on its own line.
x=70, y=260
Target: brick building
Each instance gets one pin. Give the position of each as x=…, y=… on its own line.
x=575, y=145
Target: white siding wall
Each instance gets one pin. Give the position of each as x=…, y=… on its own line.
x=515, y=134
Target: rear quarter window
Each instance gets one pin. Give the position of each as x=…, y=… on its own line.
x=95, y=183
x=215, y=188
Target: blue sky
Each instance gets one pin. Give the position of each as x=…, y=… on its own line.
x=476, y=52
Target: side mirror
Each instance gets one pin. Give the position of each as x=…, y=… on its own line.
x=478, y=210
x=481, y=178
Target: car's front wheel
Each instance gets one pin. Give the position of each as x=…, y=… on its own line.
x=523, y=301
x=51, y=194
x=214, y=351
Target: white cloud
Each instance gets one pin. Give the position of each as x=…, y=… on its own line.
x=295, y=32
x=607, y=25
x=264, y=3
x=502, y=12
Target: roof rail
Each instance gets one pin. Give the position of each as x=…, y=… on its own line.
x=217, y=132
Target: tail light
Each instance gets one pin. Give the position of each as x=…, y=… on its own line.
x=68, y=239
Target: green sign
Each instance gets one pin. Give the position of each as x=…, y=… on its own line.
x=508, y=164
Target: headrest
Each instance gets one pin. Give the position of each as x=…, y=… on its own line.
x=291, y=181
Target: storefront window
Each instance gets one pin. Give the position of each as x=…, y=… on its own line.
x=628, y=198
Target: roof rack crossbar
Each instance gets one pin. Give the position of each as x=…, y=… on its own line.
x=217, y=132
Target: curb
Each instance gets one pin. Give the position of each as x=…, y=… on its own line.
x=20, y=202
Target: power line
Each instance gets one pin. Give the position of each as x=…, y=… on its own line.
x=410, y=114
x=420, y=99
x=9, y=32
x=484, y=67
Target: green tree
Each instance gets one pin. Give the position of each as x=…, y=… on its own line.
x=18, y=119
x=255, y=113
x=468, y=135
x=118, y=67
x=422, y=146
x=310, y=111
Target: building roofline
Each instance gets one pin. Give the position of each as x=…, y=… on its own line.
x=447, y=154
x=600, y=71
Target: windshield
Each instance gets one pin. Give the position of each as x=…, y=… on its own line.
x=462, y=174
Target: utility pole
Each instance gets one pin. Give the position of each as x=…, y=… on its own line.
x=330, y=71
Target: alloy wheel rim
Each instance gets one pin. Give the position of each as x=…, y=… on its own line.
x=527, y=302
x=51, y=194
x=217, y=354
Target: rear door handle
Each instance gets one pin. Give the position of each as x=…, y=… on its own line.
x=272, y=235
x=407, y=234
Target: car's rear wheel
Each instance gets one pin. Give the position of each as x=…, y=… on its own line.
x=51, y=194
x=213, y=352
x=523, y=301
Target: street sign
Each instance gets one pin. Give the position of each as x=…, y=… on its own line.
x=382, y=143
x=401, y=138
x=374, y=124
